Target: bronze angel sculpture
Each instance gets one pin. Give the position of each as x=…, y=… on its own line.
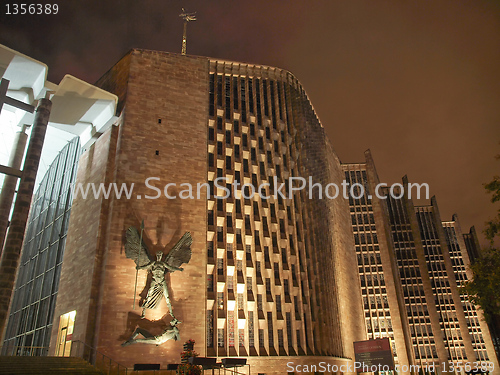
x=136, y=249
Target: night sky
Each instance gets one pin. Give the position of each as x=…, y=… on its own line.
x=417, y=82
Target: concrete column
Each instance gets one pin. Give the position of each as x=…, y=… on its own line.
x=10, y=182
x=14, y=241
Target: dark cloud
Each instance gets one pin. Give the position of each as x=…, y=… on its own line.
x=416, y=82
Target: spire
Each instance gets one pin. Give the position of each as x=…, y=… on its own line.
x=186, y=17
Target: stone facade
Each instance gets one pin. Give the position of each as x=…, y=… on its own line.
x=101, y=291
x=295, y=278
x=164, y=133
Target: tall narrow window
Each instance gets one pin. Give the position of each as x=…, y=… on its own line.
x=241, y=337
x=220, y=337
x=220, y=266
x=278, y=85
x=243, y=100
x=259, y=302
x=270, y=328
x=240, y=302
x=220, y=300
x=230, y=324
x=235, y=92
x=228, y=97
x=257, y=238
x=250, y=95
x=294, y=276
x=278, y=303
x=249, y=284
x=210, y=282
x=268, y=286
x=277, y=274
x=264, y=90
x=219, y=90
x=289, y=328
x=211, y=95
x=257, y=94
x=281, y=342
x=220, y=233
x=251, y=339
x=273, y=103
x=296, y=306
x=261, y=337
x=210, y=328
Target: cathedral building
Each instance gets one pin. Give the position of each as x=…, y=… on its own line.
x=269, y=279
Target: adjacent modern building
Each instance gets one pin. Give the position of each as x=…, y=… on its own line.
x=429, y=260
x=279, y=273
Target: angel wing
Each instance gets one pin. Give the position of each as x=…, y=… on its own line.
x=138, y=253
x=181, y=252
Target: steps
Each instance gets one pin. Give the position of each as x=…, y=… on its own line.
x=45, y=366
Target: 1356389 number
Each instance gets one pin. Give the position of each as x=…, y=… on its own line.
x=451, y=367
x=22, y=9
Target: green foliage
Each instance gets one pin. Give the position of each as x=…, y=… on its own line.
x=484, y=288
x=493, y=226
